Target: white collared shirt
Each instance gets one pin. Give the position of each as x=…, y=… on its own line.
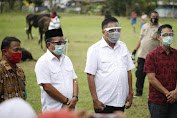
x=59, y=73
x=110, y=68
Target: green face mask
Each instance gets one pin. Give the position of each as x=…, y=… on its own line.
x=167, y=41
x=59, y=49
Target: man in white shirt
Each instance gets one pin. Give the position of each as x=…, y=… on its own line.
x=55, y=74
x=108, y=69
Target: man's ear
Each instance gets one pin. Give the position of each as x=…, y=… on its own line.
x=103, y=31
x=3, y=51
x=158, y=37
x=48, y=44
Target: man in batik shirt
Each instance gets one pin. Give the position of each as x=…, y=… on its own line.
x=12, y=78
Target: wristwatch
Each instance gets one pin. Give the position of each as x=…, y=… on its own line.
x=76, y=97
x=66, y=101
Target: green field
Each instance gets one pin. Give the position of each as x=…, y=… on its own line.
x=82, y=31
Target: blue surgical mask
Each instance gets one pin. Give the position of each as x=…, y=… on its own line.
x=167, y=41
x=59, y=49
x=114, y=37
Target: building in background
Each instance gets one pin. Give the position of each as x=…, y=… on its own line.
x=168, y=9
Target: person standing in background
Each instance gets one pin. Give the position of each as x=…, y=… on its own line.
x=55, y=21
x=133, y=20
x=143, y=19
x=147, y=42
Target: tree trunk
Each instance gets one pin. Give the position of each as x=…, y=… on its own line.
x=2, y=4
x=11, y=4
x=127, y=6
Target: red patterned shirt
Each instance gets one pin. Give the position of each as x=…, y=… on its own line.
x=165, y=68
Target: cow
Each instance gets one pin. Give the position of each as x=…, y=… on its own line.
x=32, y=20
x=43, y=27
x=26, y=55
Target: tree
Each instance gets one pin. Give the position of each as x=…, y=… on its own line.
x=2, y=4
x=124, y=7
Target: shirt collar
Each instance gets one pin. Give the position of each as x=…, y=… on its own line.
x=51, y=56
x=7, y=66
x=162, y=50
x=105, y=44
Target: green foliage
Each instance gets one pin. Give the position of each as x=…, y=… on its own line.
x=124, y=7
x=82, y=31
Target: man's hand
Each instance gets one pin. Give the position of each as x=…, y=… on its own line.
x=98, y=105
x=129, y=101
x=72, y=103
x=172, y=96
x=133, y=56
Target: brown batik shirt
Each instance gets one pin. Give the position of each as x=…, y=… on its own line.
x=12, y=84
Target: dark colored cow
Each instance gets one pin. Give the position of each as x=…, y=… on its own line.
x=26, y=55
x=43, y=27
x=34, y=20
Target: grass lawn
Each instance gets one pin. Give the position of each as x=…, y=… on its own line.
x=82, y=31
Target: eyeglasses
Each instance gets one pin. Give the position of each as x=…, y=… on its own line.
x=165, y=34
x=113, y=29
x=59, y=42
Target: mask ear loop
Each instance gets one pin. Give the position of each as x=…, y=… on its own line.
x=2, y=54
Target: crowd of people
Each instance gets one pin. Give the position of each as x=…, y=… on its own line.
x=108, y=69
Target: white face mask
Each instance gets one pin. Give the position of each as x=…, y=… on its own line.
x=114, y=37
x=167, y=41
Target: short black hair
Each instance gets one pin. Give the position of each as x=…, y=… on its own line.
x=153, y=12
x=7, y=41
x=108, y=20
x=54, y=13
x=159, y=31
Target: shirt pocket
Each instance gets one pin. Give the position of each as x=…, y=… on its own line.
x=56, y=76
x=68, y=72
x=106, y=65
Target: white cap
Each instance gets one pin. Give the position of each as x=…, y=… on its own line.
x=16, y=108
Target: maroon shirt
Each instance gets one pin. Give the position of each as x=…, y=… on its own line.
x=165, y=68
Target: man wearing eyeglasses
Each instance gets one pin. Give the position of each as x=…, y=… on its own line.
x=161, y=69
x=55, y=74
x=108, y=69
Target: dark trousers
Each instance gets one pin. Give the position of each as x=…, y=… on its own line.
x=140, y=75
x=110, y=109
x=160, y=111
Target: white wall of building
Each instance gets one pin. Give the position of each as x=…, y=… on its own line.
x=57, y=3
x=167, y=12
